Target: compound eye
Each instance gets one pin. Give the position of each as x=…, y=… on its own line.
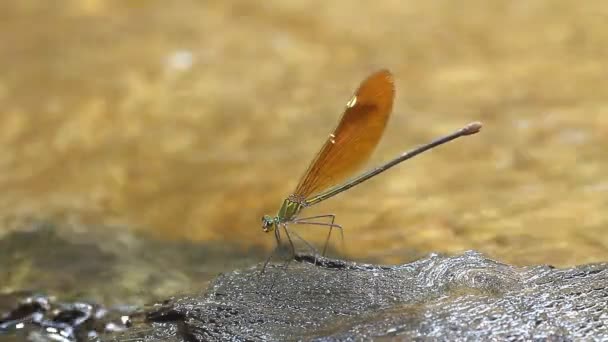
x=266, y=221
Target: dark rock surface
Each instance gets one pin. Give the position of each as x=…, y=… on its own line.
x=36, y=317
x=466, y=297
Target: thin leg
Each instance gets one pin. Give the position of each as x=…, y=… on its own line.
x=274, y=251
x=274, y=279
x=316, y=217
x=333, y=218
x=293, y=248
x=277, y=236
x=293, y=252
x=314, y=250
x=330, y=225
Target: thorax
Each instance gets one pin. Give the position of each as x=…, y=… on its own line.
x=289, y=210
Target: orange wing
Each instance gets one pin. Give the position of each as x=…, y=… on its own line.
x=353, y=141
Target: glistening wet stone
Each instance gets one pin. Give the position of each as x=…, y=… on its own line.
x=37, y=317
x=466, y=297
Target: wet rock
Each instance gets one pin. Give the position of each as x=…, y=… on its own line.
x=466, y=297
x=36, y=317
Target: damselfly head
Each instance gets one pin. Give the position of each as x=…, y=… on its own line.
x=268, y=223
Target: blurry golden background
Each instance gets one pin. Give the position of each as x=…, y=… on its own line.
x=191, y=119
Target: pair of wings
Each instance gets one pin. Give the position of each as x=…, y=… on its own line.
x=354, y=139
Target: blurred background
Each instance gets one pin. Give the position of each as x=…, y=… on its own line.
x=186, y=121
